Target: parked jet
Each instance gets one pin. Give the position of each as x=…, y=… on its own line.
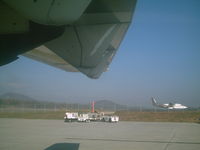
x=169, y=105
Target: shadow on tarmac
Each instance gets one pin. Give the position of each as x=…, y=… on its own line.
x=136, y=141
x=63, y=146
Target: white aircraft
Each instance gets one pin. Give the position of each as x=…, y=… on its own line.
x=73, y=35
x=169, y=105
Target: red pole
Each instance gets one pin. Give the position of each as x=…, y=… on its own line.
x=92, y=106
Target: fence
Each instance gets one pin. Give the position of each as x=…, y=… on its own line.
x=41, y=107
x=76, y=107
x=63, y=107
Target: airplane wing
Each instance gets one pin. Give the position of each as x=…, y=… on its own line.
x=81, y=35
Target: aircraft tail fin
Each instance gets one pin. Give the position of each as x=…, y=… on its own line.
x=154, y=101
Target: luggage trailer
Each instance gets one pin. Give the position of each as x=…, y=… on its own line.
x=71, y=117
x=110, y=118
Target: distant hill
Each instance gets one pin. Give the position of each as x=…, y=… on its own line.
x=16, y=99
x=108, y=105
x=16, y=96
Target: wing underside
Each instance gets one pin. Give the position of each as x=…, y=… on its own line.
x=90, y=42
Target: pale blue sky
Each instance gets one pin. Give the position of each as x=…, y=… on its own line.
x=159, y=56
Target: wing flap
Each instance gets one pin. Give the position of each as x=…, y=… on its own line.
x=44, y=55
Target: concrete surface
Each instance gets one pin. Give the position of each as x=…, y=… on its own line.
x=25, y=134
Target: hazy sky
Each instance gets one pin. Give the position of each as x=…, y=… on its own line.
x=159, y=57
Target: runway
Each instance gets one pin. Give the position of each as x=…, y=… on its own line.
x=26, y=134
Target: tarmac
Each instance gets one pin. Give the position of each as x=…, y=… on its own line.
x=27, y=134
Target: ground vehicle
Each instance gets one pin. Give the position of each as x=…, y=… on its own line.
x=83, y=118
x=110, y=118
x=69, y=117
x=94, y=116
